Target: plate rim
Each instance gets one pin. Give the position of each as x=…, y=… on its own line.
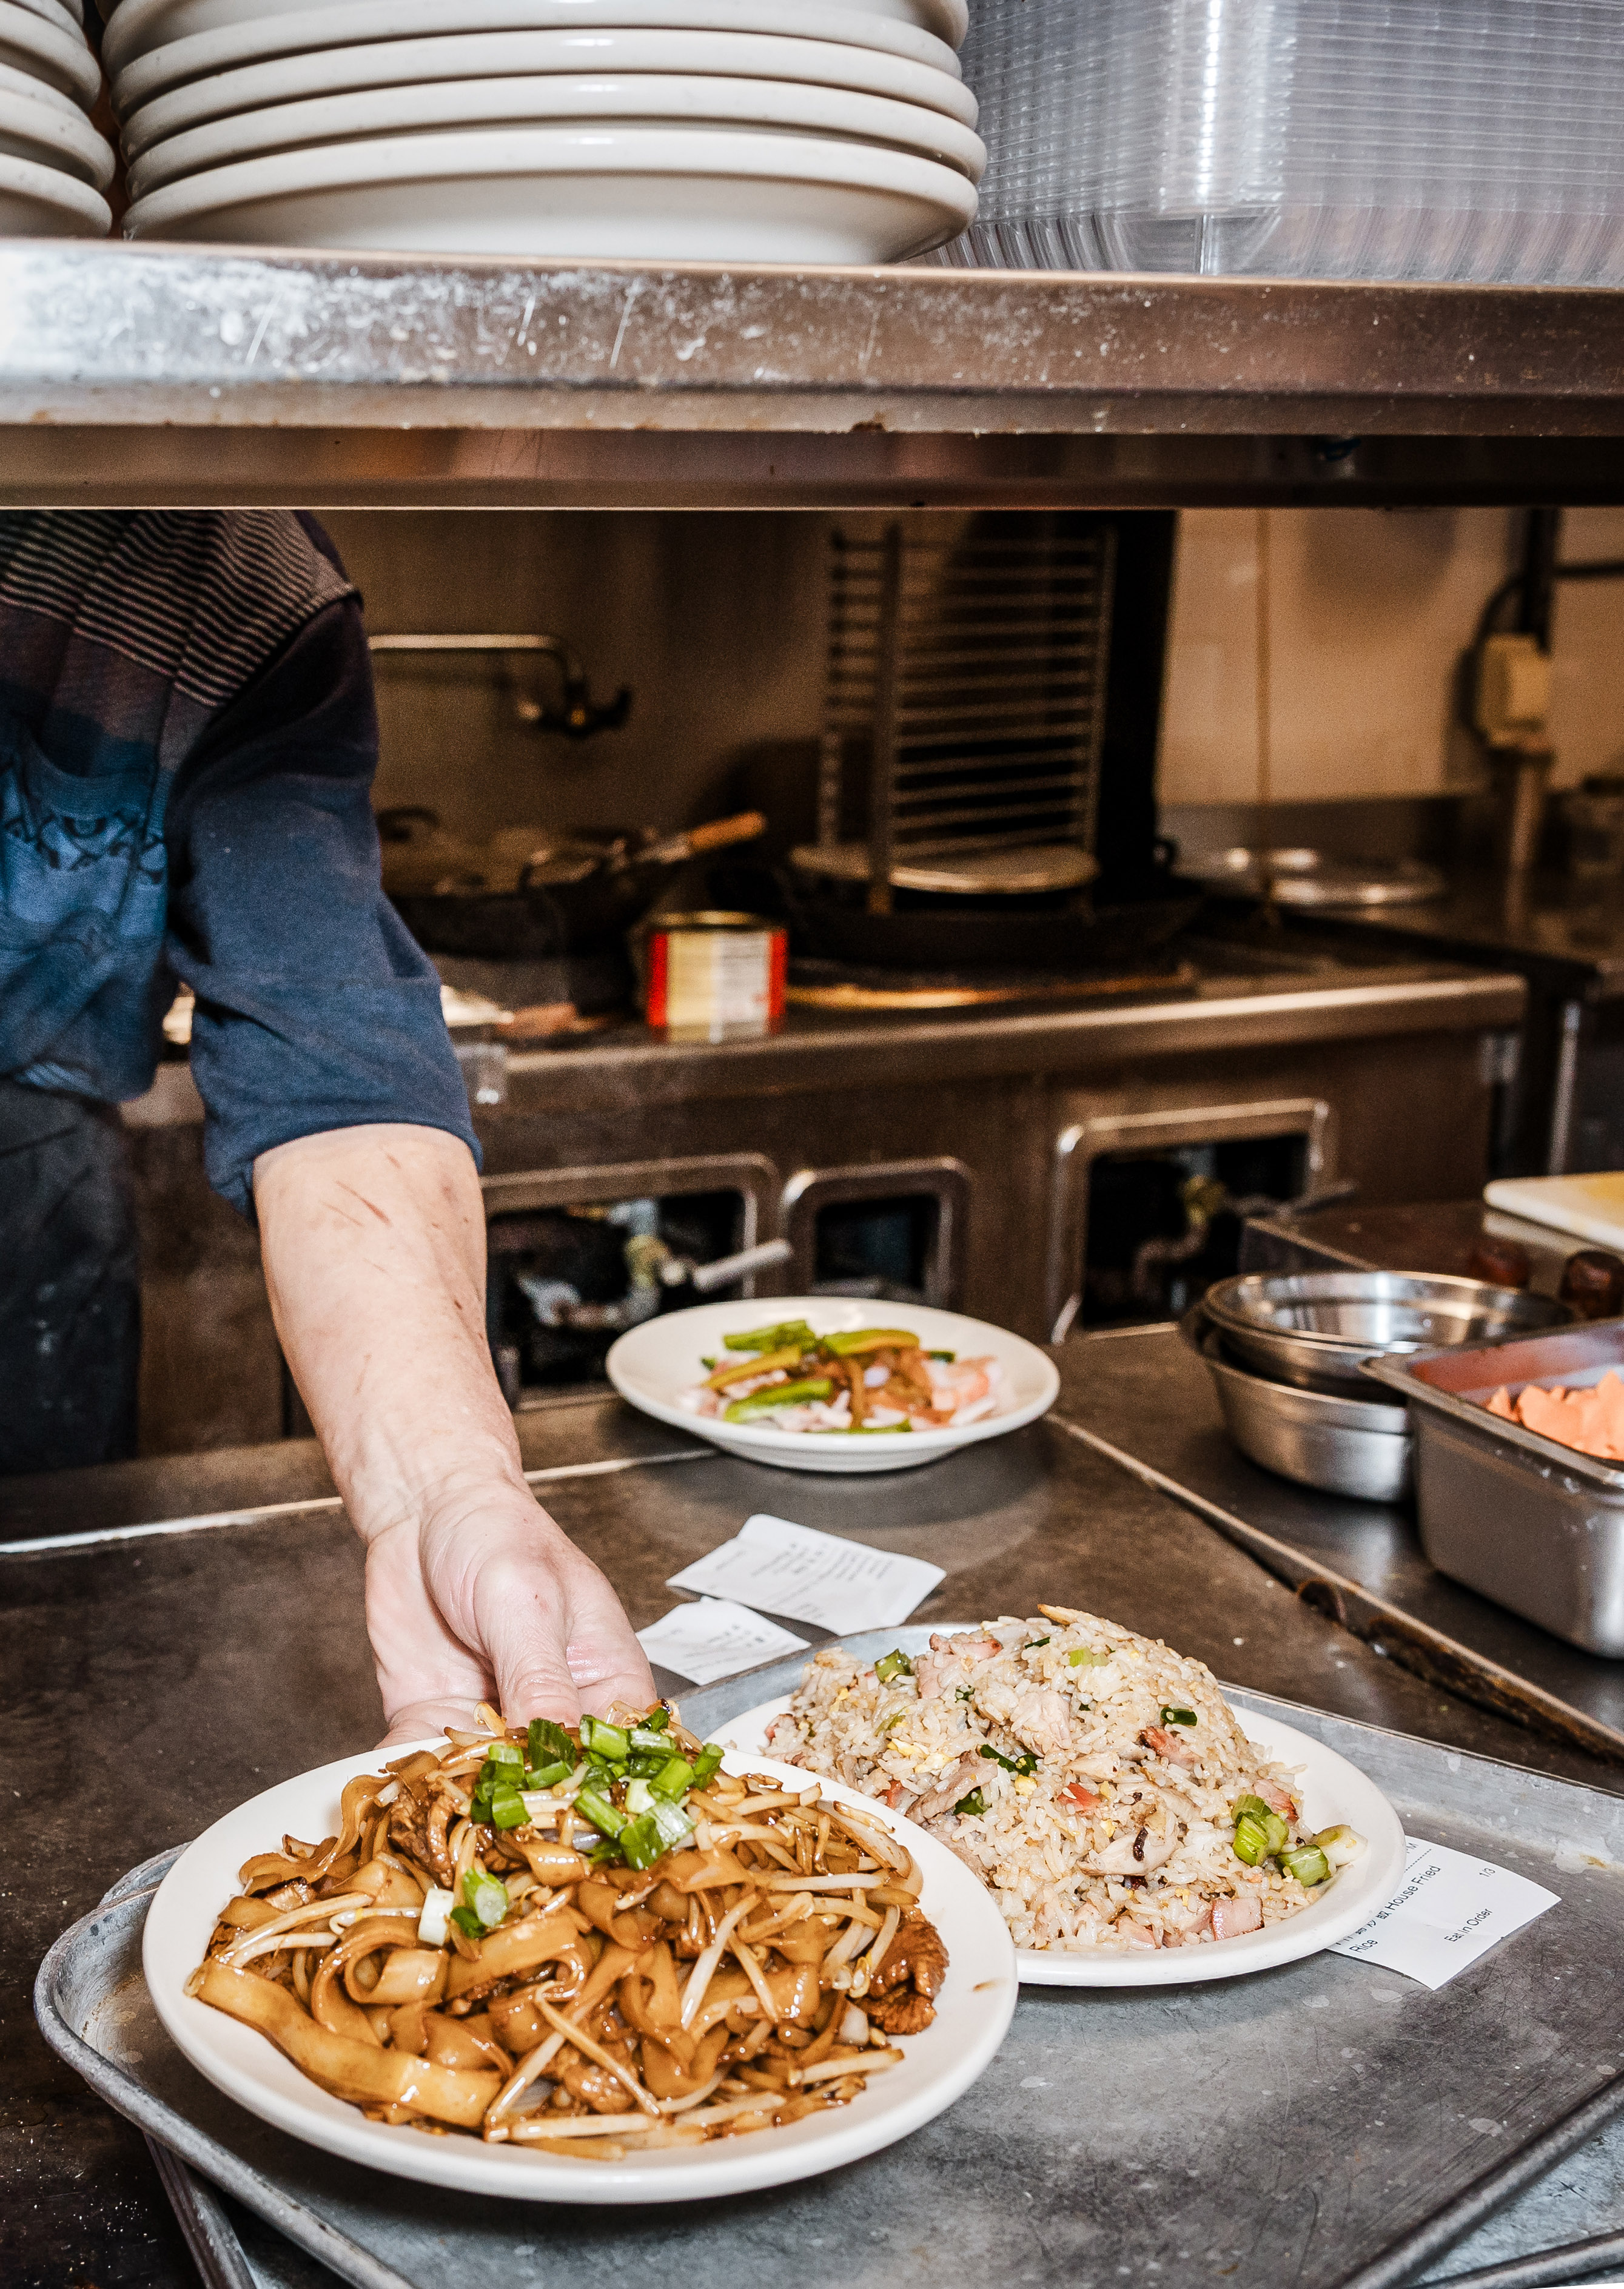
x=684, y=99
x=155, y=69
x=418, y=161
x=431, y=2161
x=1043, y=1967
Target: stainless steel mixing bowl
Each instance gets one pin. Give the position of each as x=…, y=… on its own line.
x=1341, y=1445
x=1313, y=1328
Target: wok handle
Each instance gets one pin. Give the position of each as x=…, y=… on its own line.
x=716, y=836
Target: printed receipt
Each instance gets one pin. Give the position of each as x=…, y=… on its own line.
x=1450, y=1909
x=714, y=1639
x=812, y=1577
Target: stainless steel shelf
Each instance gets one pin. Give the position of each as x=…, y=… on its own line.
x=176, y=375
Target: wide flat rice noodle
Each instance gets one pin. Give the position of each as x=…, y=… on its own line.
x=348, y=2068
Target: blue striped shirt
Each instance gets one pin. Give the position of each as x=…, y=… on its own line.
x=188, y=741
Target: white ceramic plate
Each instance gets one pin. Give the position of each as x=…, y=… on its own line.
x=43, y=202
x=573, y=98
x=67, y=15
x=651, y=1364
x=62, y=59
x=1333, y=1790
x=502, y=55
x=972, y=2015
x=22, y=82
x=138, y=74
x=644, y=194
x=54, y=135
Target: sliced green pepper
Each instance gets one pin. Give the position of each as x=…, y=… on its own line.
x=870, y=1339
x=777, y=1395
x=772, y=1339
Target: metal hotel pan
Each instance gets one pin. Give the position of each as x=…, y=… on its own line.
x=1326, y=2122
x=1536, y=1526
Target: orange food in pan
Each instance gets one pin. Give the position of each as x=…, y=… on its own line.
x=1591, y=1421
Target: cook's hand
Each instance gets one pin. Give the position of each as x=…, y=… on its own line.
x=487, y=1600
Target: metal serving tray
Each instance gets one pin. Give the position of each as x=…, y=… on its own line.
x=1536, y=1526
x=1328, y=2120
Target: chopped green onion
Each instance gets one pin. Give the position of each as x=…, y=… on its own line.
x=673, y=1823
x=651, y=1739
x=487, y=1896
x=508, y=1810
x=550, y=1744
x=892, y=1666
x=1178, y=1717
x=604, y=1740
x=949, y=1356
x=1308, y=1864
x=891, y=1723
x=1341, y=1845
x=600, y=1811
x=708, y=1761
x=1084, y=1659
x=641, y=1767
x=1023, y=1764
x=1246, y=1808
x=673, y=1781
x=1250, y=1839
x=1277, y=1833
x=467, y=1923
x=549, y=1776
x=964, y=1693
x=971, y=1806
x=1032, y=1644
x=637, y=1799
x=504, y=1752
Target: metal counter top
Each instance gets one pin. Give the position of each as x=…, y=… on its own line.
x=1300, y=994
x=177, y=376
x=1570, y=932
x=158, y=1680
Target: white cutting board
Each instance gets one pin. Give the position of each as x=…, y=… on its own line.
x=1591, y=1208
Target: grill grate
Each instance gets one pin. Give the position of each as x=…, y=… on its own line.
x=965, y=693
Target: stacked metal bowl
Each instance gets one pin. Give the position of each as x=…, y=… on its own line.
x=1284, y=1352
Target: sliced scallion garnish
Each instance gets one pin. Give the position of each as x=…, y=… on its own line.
x=893, y=1665
x=968, y=1807
x=1178, y=1715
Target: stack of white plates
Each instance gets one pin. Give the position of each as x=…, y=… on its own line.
x=53, y=165
x=736, y=130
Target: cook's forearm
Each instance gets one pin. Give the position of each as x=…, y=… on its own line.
x=374, y=1248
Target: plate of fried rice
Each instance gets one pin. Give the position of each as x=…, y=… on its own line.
x=1133, y=1831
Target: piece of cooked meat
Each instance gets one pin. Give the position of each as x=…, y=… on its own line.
x=905, y=2012
x=916, y=1958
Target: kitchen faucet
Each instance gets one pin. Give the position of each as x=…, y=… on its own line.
x=577, y=717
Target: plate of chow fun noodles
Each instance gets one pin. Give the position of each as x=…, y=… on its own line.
x=599, y=1962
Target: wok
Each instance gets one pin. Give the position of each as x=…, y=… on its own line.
x=526, y=895
x=927, y=934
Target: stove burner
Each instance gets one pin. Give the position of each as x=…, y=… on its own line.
x=837, y=986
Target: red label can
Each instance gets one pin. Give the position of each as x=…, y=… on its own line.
x=716, y=976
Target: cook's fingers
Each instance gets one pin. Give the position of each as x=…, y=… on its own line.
x=426, y=1721
x=421, y=1662
x=521, y=1616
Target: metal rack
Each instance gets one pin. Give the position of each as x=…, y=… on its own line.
x=967, y=683
x=174, y=376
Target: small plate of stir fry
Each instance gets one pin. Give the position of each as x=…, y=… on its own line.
x=829, y=1383
x=599, y=1964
